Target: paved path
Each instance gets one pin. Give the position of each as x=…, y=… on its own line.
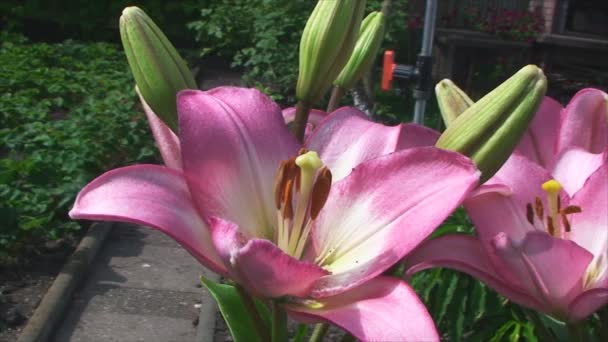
x=142, y=287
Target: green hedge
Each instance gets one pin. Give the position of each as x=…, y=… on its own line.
x=67, y=113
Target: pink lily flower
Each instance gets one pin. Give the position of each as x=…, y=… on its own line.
x=542, y=220
x=314, y=225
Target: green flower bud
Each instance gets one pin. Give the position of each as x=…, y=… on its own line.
x=452, y=100
x=327, y=43
x=364, y=53
x=491, y=128
x=159, y=71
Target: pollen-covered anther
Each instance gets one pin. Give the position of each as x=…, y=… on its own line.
x=538, y=208
x=529, y=213
x=286, y=200
x=320, y=192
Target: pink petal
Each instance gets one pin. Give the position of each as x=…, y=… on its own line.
x=587, y=303
x=166, y=141
x=585, y=122
x=233, y=140
x=384, y=209
x=347, y=138
x=590, y=227
x=574, y=166
x=384, y=309
x=465, y=253
x=538, y=143
x=550, y=268
x=314, y=118
x=496, y=212
x=150, y=195
x=260, y=266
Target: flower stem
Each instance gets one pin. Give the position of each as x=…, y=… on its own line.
x=334, y=100
x=279, y=323
x=299, y=124
x=260, y=327
x=319, y=332
x=301, y=332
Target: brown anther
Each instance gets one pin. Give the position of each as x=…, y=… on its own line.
x=530, y=213
x=302, y=151
x=538, y=207
x=571, y=209
x=320, y=191
x=559, y=203
x=550, y=226
x=286, y=202
x=279, y=183
x=565, y=222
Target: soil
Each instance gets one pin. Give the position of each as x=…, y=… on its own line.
x=25, y=282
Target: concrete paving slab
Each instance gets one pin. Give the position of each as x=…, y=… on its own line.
x=142, y=287
x=155, y=267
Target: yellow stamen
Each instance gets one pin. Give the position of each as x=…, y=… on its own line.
x=309, y=163
x=552, y=188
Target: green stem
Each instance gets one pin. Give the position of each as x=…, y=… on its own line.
x=279, y=323
x=577, y=331
x=539, y=327
x=319, y=332
x=334, y=100
x=301, y=332
x=260, y=328
x=299, y=124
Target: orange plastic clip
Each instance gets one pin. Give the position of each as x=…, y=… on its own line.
x=387, y=69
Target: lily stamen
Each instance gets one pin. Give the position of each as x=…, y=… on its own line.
x=556, y=218
x=311, y=181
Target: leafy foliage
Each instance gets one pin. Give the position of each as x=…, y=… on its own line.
x=67, y=113
x=265, y=38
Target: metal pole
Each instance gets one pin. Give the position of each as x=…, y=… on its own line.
x=430, y=16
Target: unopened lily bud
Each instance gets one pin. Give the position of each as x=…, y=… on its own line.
x=452, y=100
x=327, y=43
x=159, y=71
x=364, y=53
x=491, y=128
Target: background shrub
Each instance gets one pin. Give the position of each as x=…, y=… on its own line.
x=68, y=112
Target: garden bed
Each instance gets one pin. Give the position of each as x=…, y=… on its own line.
x=24, y=283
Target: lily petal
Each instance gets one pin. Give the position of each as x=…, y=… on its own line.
x=589, y=227
x=347, y=138
x=384, y=309
x=496, y=212
x=585, y=122
x=587, y=303
x=538, y=143
x=166, y=141
x=465, y=253
x=574, y=166
x=233, y=140
x=552, y=268
x=314, y=118
x=150, y=195
x=384, y=209
x=260, y=265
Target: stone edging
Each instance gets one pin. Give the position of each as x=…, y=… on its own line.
x=50, y=312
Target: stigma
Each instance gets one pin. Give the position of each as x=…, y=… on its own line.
x=301, y=189
x=555, y=221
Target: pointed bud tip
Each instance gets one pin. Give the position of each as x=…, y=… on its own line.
x=130, y=10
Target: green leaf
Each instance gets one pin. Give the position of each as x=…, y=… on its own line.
x=239, y=322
